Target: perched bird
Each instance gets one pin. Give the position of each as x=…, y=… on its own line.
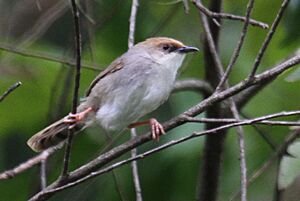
x=132, y=86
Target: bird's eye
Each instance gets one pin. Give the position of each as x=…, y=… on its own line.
x=166, y=47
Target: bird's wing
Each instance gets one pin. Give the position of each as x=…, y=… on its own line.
x=113, y=67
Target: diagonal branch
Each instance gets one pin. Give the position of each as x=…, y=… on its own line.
x=167, y=145
x=237, y=50
x=213, y=15
x=9, y=90
x=27, y=164
x=223, y=80
x=176, y=121
x=269, y=37
x=233, y=106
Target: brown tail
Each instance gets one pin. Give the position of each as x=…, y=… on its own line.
x=48, y=137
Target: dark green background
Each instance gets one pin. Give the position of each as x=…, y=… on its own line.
x=170, y=175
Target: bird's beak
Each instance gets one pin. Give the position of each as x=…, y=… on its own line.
x=187, y=49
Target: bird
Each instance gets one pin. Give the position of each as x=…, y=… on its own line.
x=133, y=85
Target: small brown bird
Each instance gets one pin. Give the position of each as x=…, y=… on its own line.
x=132, y=86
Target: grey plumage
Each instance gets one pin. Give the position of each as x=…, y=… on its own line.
x=133, y=85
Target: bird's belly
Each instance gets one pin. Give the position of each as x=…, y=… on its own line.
x=132, y=103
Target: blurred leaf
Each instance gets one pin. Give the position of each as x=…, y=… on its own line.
x=290, y=166
x=294, y=76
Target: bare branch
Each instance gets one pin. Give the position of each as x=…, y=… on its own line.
x=243, y=165
x=213, y=149
x=176, y=121
x=135, y=4
x=27, y=164
x=76, y=86
x=134, y=169
x=269, y=37
x=267, y=75
x=213, y=15
x=262, y=133
x=162, y=147
x=240, y=43
x=107, y=157
x=211, y=45
x=233, y=106
x=223, y=78
x=194, y=85
x=9, y=90
x=229, y=120
x=186, y=6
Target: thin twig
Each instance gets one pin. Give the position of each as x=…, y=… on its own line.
x=9, y=90
x=262, y=133
x=132, y=20
x=85, y=14
x=213, y=15
x=233, y=107
x=76, y=86
x=207, y=189
x=134, y=169
x=186, y=6
x=42, y=24
x=43, y=175
x=162, y=147
x=37, y=159
x=211, y=45
x=27, y=164
x=46, y=57
x=269, y=37
x=193, y=85
x=240, y=43
x=229, y=120
x=172, y=123
x=243, y=165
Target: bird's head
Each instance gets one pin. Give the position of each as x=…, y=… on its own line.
x=165, y=51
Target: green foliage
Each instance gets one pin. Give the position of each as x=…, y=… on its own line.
x=173, y=173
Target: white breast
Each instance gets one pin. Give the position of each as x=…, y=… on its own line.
x=143, y=93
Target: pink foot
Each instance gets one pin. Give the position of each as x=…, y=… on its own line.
x=156, y=129
x=72, y=119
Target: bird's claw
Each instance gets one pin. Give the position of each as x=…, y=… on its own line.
x=72, y=119
x=156, y=129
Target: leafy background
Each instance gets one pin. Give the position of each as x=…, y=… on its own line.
x=172, y=174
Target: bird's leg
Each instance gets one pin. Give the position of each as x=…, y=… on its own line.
x=156, y=128
x=72, y=119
